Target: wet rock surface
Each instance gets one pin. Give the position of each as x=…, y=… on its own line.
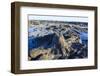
x=58, y=42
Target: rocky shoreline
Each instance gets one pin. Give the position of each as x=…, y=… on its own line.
x=64, y=42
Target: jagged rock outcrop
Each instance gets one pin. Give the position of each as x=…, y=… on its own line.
x=57, y=42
